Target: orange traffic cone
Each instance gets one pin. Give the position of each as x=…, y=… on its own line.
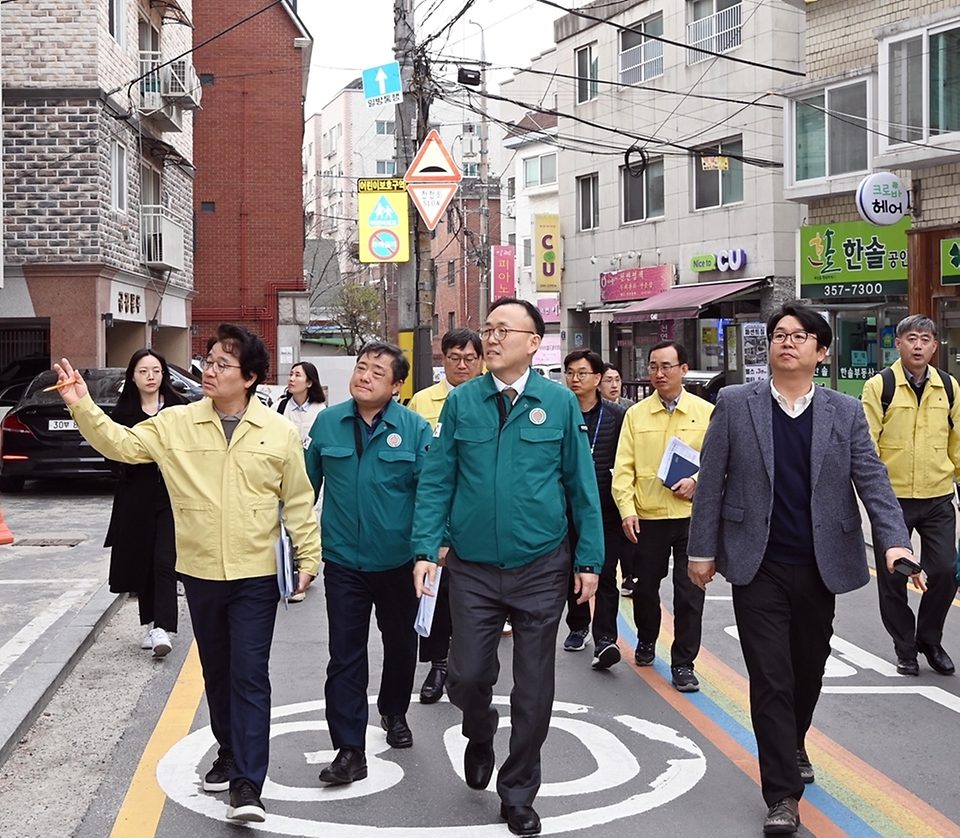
x=6, y=537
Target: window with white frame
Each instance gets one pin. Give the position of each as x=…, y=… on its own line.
x=470, y=128
x=540, y=170
x=718, y=176
x=921, y=72
x=117, y=20
x=714, y=27
x=588, y=202
x=588, y=73
x=470, y=170
x=830, y=130
x=385, y=126
x=386, y=167
x=118, y=176
x=512, y=240
x=641, y=58
x=641, y=197
x=527, y=252
x=511, y=189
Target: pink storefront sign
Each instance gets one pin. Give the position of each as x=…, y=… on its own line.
x=504, y=261
x=549, y=309
x=634, y=283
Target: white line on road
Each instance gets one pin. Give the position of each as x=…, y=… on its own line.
x=56, y=580
x=935, y=694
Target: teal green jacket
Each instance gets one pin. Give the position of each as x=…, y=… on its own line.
x=505, y=489
x=367, y=500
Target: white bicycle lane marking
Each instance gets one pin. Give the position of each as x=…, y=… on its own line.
x=179, y=775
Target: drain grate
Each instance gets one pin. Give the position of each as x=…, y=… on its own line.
x=47, y=542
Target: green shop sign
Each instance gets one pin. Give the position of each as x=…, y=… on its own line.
x=706, y=262
x=854, y=260
x=950, y=261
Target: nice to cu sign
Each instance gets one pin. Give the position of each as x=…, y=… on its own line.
x=722, y=260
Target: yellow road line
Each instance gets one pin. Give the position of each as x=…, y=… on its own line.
x=140, y=813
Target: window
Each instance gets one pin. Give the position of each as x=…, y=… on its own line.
x=587, y=74
x=923, y=85
x=538, y=171
x=331, y=140
x=117, y=20
x=640, y=57
x=588, y=202
x=451, y=273
x=385, y=126
x=527, y=252
x=470, y=169
x=118, y=176
x=511, y=192
x=715, y=186
x=642, y=197
x=207, y=79
x=451, y=320
x=208, y=206
x=834, y=144
x=715, y=27
x=469, y=128
x=386, y=167
x=512, y=240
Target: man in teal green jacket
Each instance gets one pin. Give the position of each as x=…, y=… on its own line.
x=509, y=452
x=369, y=452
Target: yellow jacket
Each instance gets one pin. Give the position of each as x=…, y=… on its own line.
x=429, y=402
x=225, y=499
x=647, y=429
x=915, y=441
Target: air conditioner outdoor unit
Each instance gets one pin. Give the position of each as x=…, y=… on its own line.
x=151, y=100
x=511, y=211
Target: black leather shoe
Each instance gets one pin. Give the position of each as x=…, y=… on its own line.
x=398, y=731
x=807, y=774
x=938, y=659
x=521, y=820
x=432, y=689
x=783, y=818
x=478, y=761
x=908, y=666
x=350, y=764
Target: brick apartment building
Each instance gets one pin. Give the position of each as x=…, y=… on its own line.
x=248, y=194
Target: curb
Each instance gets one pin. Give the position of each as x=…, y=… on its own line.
x=26, y=700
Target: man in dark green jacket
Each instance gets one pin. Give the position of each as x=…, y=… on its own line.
x=509, y=452
x=369, y=452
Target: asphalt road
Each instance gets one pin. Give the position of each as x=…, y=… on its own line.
x=626, y=754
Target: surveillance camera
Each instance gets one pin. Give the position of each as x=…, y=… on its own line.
x=593, y=260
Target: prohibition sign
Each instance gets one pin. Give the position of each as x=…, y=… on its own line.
x=384, y=244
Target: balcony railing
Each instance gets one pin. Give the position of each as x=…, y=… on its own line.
x=166, y=90
x=161, y=238
x=641, y=62
x=717, y=33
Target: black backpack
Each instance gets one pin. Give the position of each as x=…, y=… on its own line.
x=890, y=385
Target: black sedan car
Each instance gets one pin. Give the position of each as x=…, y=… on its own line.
x=39, y=439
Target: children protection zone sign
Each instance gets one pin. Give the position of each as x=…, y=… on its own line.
x=383, y=219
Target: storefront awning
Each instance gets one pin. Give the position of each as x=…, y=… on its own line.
x=604, y=313
x=683, y=302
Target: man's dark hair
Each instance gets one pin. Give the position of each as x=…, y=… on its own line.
x=459, y=338
x=588, y=355
x=682, y=355
x=809, y=319
x=534, y=313
x=247, y=348
x=398, y=361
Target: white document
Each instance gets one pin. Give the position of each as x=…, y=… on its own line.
x=428, y=604
x=677, y=446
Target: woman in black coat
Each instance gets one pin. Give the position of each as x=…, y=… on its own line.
x=143, y=556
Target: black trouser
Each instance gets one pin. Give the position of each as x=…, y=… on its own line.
x=785, y=621
x=481, y=597
x=158, y=599
x=935, y=520
x=351, y=595
x=436, y=647
x=652, y=561
x=607, y=602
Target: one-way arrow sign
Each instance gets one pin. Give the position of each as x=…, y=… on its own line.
x=382, y=85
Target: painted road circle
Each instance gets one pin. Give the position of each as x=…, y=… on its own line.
x=384, y=244
x=615, y=766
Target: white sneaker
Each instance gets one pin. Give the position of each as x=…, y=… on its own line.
x=161, y=642
x=147, y=642
x=297, y=597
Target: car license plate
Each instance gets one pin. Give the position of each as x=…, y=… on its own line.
x=61, y=425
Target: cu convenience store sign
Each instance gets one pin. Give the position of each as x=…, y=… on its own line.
x=853, y=260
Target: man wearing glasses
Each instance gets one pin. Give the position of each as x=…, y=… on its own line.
x=228, y=462
x=509, y=455
x=656, y=517
x=915, y=430
x=775, y=512
x=462, y=360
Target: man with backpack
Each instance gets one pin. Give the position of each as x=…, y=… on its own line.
x=912, y=413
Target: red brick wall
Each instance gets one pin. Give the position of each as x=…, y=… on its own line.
x=247, y=150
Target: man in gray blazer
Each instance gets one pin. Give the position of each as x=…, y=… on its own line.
x=775, y=513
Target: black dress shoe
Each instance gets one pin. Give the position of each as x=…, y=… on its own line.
x=432, y=689
x=938, y=659
x=521, y=820
x=908, y=666
x=478, y=761
x=350, y=764
x=398, y=731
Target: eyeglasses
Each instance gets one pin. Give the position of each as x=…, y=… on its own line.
x=653, y=369
x=456, y=360
x=501, y=332
x=798, y=338
x=583, y=376
x=218, y=366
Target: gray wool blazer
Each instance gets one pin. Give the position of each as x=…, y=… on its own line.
x=734, y=497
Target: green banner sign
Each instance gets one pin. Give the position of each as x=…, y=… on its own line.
x=950, y=261
x=853, y=260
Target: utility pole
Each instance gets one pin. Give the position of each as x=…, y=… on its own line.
x=484, y=172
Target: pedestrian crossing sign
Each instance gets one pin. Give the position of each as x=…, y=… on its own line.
x=383, y=217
